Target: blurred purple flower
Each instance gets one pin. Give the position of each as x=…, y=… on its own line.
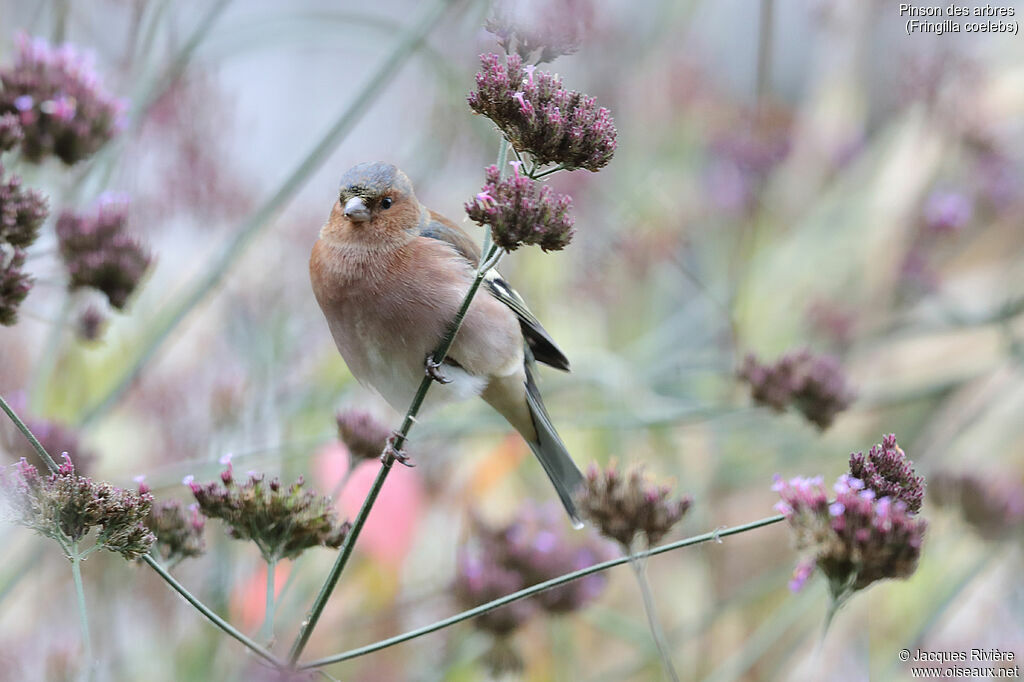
x=99, y=252
x=522, y=211
x=363, y=435
x=887, y=471
x=66, y=507
x=90, y=324
x=22, y=211
x=856, y=539
x=813, y=384
x=55, y=437
x=539, y=116
x=10, y=131
x=540, y=30
x=993, y=507
x=283, y=521
x=57, y=96
x=743, y=156
x=626, y=506
x=14, y=285
x=947, y=212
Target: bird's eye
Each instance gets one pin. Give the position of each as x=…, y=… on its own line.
x=386, y=202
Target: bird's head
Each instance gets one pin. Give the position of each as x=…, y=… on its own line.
x=378, y=197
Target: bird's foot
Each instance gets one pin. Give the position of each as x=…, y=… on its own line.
x=396, y=454
x=433, y=370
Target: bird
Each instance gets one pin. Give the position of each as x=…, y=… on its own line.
x=390, y=274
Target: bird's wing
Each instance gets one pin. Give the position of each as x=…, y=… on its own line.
x=541, y=344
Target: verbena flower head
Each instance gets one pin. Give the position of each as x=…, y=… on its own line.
x=282, y=520
x=522, y=211
x=99, y=252
x=65, y=507
x=14, y=284
x=61, y=106
x=993, y=507
x=627, y=505
x=888, y=472
x=362, y=434
x=535, y=546
x=22, y=211
x=854, y=539
x=179, y=531
x=813, y=384
x=540, y=30
x=10, y=131
x=539, y=116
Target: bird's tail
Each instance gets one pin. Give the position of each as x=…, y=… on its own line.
x=551, y=452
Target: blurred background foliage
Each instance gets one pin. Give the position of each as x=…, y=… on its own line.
x=788, y=174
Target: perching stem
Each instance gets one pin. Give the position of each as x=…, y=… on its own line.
x=538, y=588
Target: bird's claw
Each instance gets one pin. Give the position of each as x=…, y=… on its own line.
x=396, y=454
x=433, y=370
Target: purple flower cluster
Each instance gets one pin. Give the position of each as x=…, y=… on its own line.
x=99, y=252
x=362, y=434
x=61, y=107
x=14, y=285
x=522, y=211
x=813, y=384
x=539, y=116
x=888, y=472
x=66, y=507
x=283, y=521
x=855, y=539
x=22, y=211
x=179, y=532
x=993, y=507
x=540, y=29
x=10, y=132
x=536, y=546
x=624, y=506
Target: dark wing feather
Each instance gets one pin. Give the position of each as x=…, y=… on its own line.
x=539, y=341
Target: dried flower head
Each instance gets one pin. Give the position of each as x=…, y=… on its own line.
x=65, y=507
x=625, y=505
x=10, y=131
x=283, y=521
x=100, y=253
x=539, y=116
x=22, y=211
x=14, y=285
x=540, y=30
x=813, y=384
x=856, y=539
x=535, y=546
x=888, y=472
x=522, y=211
x=179, y=532
x=993, y=507
x=60, y=104
x=362, y=434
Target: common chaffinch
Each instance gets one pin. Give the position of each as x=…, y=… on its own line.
x=390, y=276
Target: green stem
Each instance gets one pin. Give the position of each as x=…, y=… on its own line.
x=538, y=588
x=213, y=617
x=550, y=171
x=652, y=620
x=267, y=631
x=83, y=615
x=28, y=434
x=320, y=152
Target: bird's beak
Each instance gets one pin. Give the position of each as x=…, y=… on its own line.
x=356, y=211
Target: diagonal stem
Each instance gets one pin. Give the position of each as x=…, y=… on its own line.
x=652, y=620
x=320, y=152
x=208, y=612
x=538, y=588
